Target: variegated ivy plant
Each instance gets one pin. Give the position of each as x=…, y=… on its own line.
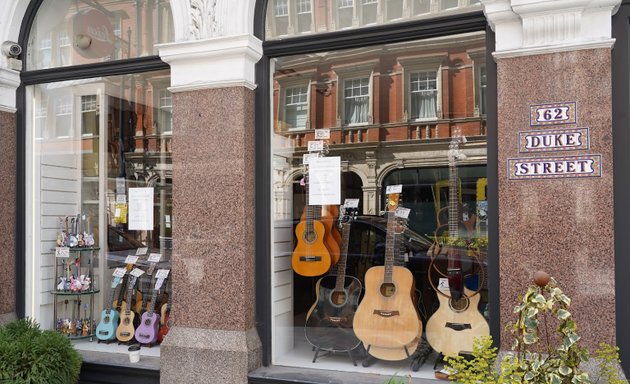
x=540, y=361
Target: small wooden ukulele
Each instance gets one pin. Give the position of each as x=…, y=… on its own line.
x=126, y=329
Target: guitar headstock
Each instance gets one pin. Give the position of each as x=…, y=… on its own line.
x=454, y=151
x=393, y=200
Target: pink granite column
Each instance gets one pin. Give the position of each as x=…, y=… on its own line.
x=563, y=226
x=214, y=338
x=8, y=145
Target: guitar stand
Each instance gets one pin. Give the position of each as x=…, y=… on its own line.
x=421, y=355
x=371, y=359
x=105, y=341
x=149, y=345
x=328, y=353
x=439, y=359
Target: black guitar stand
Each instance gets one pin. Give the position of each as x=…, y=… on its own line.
x=421, y=355
x=106, y=341
x=371, y=359
x=328, y=353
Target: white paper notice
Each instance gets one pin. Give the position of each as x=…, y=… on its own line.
x=324, y=177
x=140, y=209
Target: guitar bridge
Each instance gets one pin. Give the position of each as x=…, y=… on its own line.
x=458, y=326
x=310, y=259
x=383, y=313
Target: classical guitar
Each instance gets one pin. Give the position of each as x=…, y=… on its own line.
x=147, y=331
x=126, y=329
x=310, y=256
x=324, y=214
x=106, y=329
x=453, y=327
x=329, y=321
x=387, y=321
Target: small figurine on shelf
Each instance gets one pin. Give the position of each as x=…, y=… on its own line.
x=62, y=284
x=88, y=239
x=85, y=328
x=79, y=326
x=75, y=284
x=85, y=283
x=81, y=242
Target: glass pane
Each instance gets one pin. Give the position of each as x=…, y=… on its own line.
x=100, y=183
x=285, y=18
x=67, y=32
x=389, y=123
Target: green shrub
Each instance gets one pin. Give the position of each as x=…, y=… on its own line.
x=29, y=355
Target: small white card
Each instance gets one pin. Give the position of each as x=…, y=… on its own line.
x=142, y=251
x=121, y=199
x=120, y=185
x=158, y=284
x=162, y=273
x=119, y=272
x=443, y=284
x=322, y=134
x=351, y=203
x=63, y=252
x=316, y=145
x=393, y=189
x=154, y=257
x=308, y=156
x=402, y=212
x=131, y=259
x=137, y=272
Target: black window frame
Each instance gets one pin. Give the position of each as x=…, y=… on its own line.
x=345, y=39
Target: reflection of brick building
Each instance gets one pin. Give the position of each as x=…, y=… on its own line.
x=387, y=107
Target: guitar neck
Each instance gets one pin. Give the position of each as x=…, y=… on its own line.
x=308, y=207
x=390, y=244
x=343, y=260
x=129, y=292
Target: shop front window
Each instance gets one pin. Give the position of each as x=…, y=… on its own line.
x=375, y=202
x=99, y=177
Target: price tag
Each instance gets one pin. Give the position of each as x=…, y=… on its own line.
x=308, y=156
x=119, y=272
x=351, y=203
x=137, y=272
x=393, y=189
x=162, y=273
x=121, y=199
x=120, y=185
x=322, y=134
x=443, y=284
x=154, y=257
x=158, y=284
x=131, y=259
x=315, y=146
x=63, y=252
x=142, y=251
x=402, y=212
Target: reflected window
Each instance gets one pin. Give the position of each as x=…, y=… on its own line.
x=345, y=10
x=394, y=9
x=304, y=15
x=482, y=89
x=369, y=11
x=421, y=7
x=423, y=95
x=448, y=4
x=356, y=100
x=296, y=107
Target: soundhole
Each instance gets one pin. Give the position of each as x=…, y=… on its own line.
x=388, y=289
x=459, y=305
x=147, y=322
x=106, y=319
x=338, y=297
x=309, y=237
x=126, y=321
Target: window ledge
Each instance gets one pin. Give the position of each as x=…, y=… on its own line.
x=275, y=374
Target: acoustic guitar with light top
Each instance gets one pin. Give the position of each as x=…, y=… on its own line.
x=387, y=321
x=457, y=322
x=310, y=257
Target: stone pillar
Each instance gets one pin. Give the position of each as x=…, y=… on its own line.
x=9, y=81
x=214, y=338
x=555, y=52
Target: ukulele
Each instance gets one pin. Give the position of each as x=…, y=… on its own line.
x=166, y=322
x=106, y=329
x=329, y=321
x=454, y=326
x=147, y=331
x=310, y=256
x=387, y=321
x=126, y=330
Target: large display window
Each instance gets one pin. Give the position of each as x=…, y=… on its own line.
x=98, y=186
x=380, y=225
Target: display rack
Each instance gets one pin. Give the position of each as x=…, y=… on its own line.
x=78, y=321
